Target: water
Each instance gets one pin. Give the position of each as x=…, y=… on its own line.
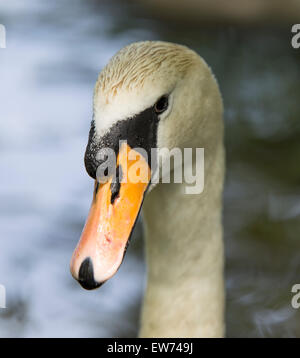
x=54, y=54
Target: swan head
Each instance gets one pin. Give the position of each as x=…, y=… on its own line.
x=150, y=95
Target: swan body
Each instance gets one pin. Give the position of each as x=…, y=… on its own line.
x=184, y=247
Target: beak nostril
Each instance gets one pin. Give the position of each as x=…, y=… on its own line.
x=116, y=184
x=86, y=275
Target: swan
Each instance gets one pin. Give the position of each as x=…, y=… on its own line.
x=157, y=94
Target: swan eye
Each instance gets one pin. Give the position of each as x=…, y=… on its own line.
x=161, y=105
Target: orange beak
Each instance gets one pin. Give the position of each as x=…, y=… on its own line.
x=113, y=213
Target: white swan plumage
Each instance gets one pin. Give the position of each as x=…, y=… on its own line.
x=184, y=246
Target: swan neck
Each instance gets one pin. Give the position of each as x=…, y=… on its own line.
x=184, y=253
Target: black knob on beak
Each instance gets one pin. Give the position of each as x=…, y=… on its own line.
x=86, y=275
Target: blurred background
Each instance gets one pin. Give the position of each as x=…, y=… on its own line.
x=55, y=50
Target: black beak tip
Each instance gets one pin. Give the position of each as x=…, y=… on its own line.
x=86, y=275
